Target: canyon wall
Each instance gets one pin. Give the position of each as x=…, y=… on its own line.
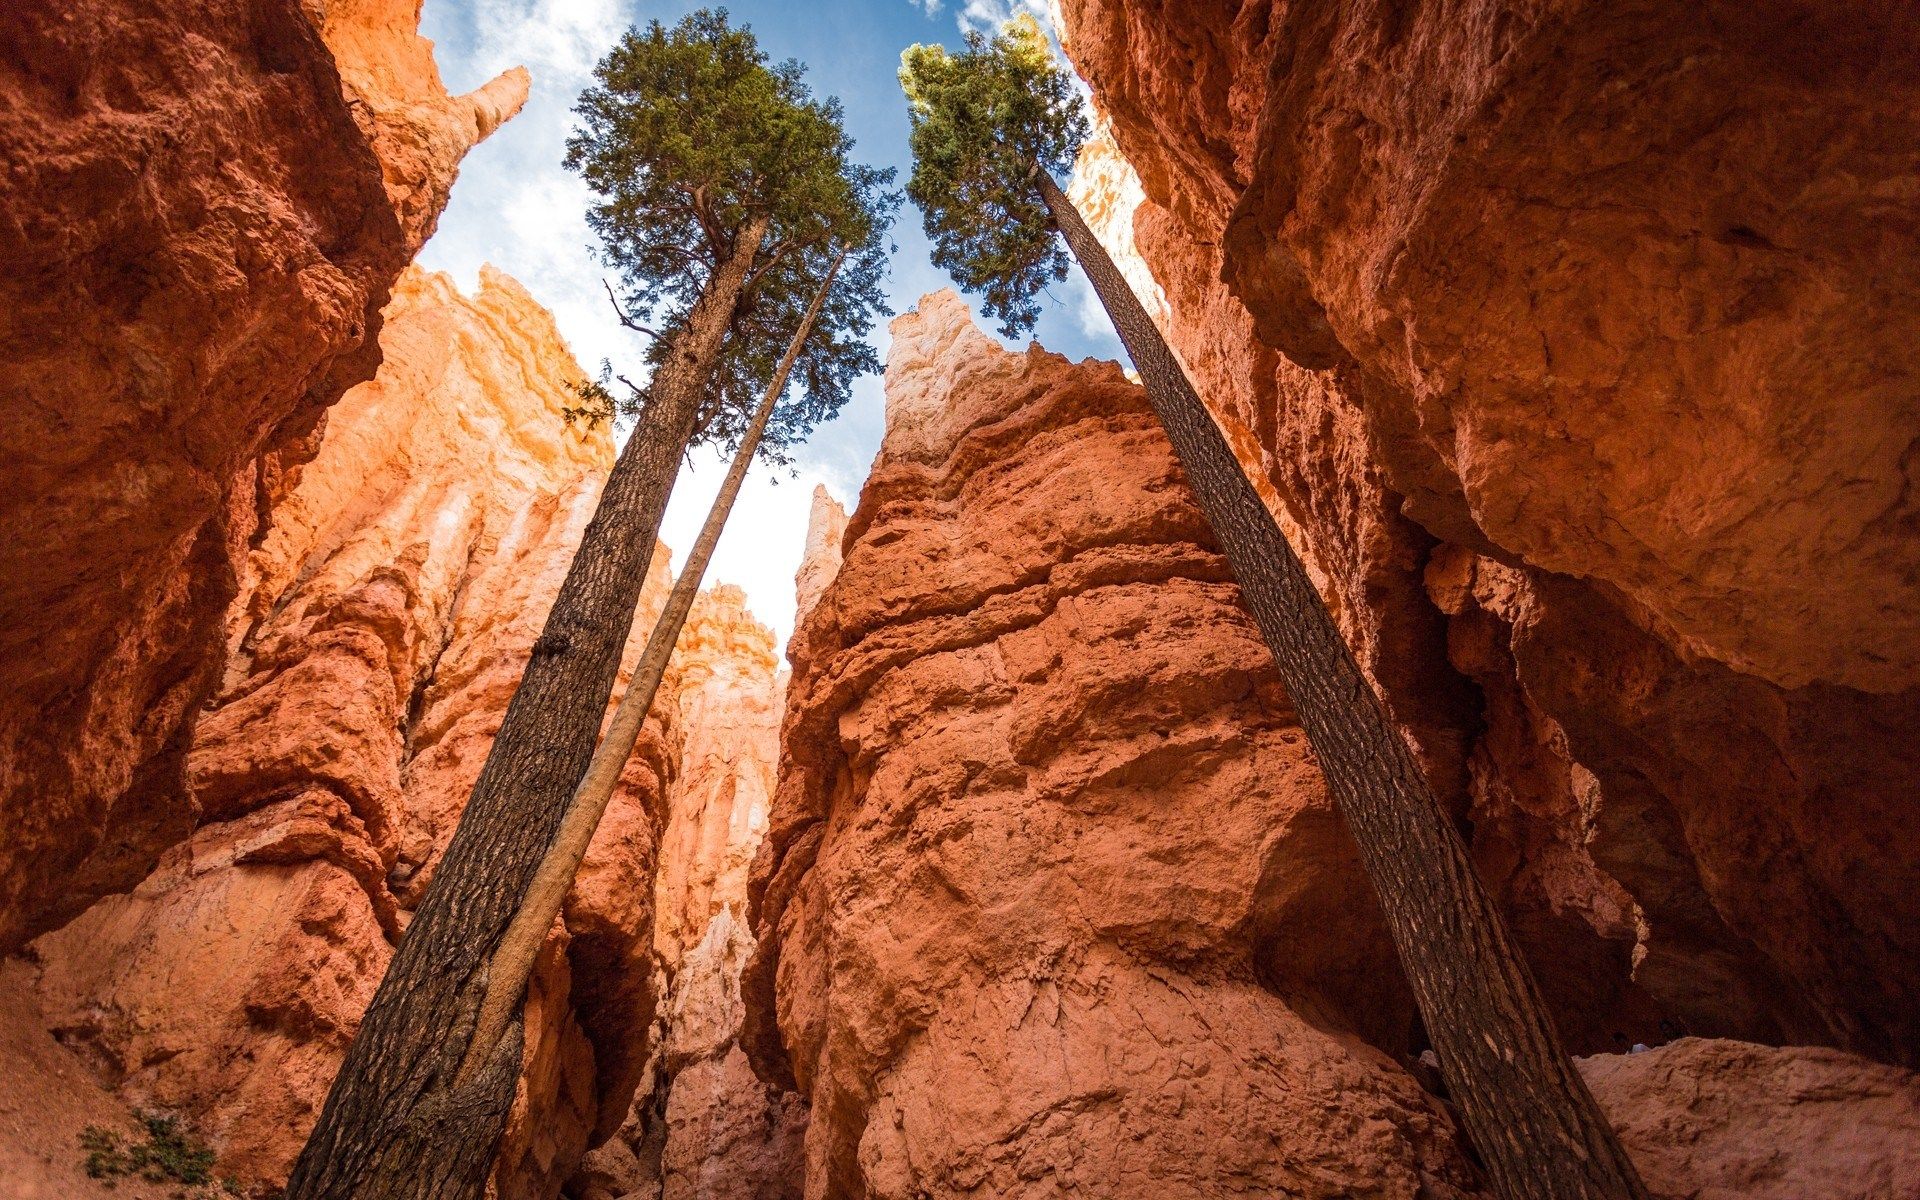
x=381, y=629
x=1052, y=883
x=207, y=206
x=1052, y=892
x=1570, y=341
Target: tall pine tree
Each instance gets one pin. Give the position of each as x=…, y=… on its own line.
x=513, y=961
x=721, y=182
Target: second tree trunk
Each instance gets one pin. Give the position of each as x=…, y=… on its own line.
x=513, y=961
x=1527, y=1110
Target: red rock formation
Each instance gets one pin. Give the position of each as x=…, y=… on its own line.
x=730, y=704
x=1569, y=341
x=1053, y=894
x=49, y=1099
x=386, y=619
x=207, y=205
x=727, y=1136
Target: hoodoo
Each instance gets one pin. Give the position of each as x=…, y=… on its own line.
x=1045, y=790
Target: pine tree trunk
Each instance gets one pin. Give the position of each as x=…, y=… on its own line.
x=395, y=1127
x=513, y=961
x=1527, y=1110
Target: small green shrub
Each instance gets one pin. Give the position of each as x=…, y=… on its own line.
x=166, y=1155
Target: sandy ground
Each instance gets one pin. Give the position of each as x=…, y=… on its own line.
x=47, y=1096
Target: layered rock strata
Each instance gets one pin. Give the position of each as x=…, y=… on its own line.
x=1053, y=893
x=1568, y=341
x=384, y=622
x=207, y=205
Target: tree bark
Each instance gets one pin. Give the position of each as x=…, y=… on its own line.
x=513, y=961
x=395, y=1122
x=1527, y=1110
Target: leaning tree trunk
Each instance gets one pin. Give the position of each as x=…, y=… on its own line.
x=395, y=1125
x=513, y=961
x=1527, y=1110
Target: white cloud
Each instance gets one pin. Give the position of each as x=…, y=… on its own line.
x=1076, y=295
x=986, y=16
x=515, y=205
x=565, y=36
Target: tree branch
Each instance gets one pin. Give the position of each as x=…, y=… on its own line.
x=692, y=256
x=779, y=252
x=709, y=224
x=626, y=320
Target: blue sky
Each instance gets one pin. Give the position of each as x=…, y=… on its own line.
x=518, y=209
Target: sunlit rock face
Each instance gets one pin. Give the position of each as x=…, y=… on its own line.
x=1570, y=342
x=820, y=559
x=207, y=205
x=381, y=629
x=706, y=1128
x=1052, y=879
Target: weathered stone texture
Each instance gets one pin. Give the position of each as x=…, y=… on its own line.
x=383, y=624
x=1053, y=884
x=206, y=206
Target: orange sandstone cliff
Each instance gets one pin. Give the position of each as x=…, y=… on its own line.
x=382, y=627
x=1053, y=901
x=1570, y=343
x=207, y=204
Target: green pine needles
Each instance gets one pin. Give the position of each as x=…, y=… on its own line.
x=687, y=133
x=984, y=120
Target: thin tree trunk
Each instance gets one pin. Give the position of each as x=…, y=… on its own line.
x=513, y=961
x=394, y=1125
x=1527, y=1110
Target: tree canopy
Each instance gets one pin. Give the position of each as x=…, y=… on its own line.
x=984, y=120
x=688, y=133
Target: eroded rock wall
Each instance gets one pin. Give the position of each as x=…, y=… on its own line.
x=207, y=205
x=1568, y=338
x=382, y=627
x=730, y=701
x=1053, y=894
